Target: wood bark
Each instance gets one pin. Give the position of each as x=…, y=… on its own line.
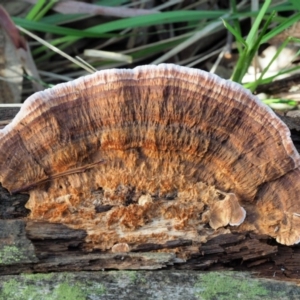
x=40, y=247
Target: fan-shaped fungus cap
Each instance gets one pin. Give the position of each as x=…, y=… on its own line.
x=140, y=156
x=227, y=211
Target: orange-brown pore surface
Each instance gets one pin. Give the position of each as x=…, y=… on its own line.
x=152, y=155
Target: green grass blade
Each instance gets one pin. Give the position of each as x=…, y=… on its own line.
x=140, y=21
x=35, y=9
x=241, y=67
x=48, y=28
x=236, y=23
x=281, y=7
x=234, y=32
x=101, y=30
x=296, y=4
x=157, y=19
x=281, y=27
x=62, y=46
x=255, y=48
x=249, y=85
x=146, y=52
x=44, y=10
x=57, y=19
x=250, y=40
x=153, y=49
x=280, y=104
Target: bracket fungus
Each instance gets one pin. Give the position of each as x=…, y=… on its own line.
x=153, y=155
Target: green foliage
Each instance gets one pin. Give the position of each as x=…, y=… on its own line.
x=281, y=104
x=188, y=27
x=133, y=22
x=40, y=9
x=258, y=35
x=296, y=4
x=251, y=44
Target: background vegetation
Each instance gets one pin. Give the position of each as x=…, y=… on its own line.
x=68, y=39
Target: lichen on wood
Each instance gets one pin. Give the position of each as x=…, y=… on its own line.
x=145, y=285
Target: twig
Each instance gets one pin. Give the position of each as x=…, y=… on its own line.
x=55, y=176
x=55, y=49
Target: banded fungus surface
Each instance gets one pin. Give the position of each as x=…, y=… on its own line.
x=153, y=155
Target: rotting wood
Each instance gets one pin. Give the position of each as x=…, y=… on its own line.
x=172, y=166
x=27, y=246
x=280, y=86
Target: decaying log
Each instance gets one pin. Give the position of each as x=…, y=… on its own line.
x=153, y=155
x=281, y=86
x=43, y=247
x=27, y=246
